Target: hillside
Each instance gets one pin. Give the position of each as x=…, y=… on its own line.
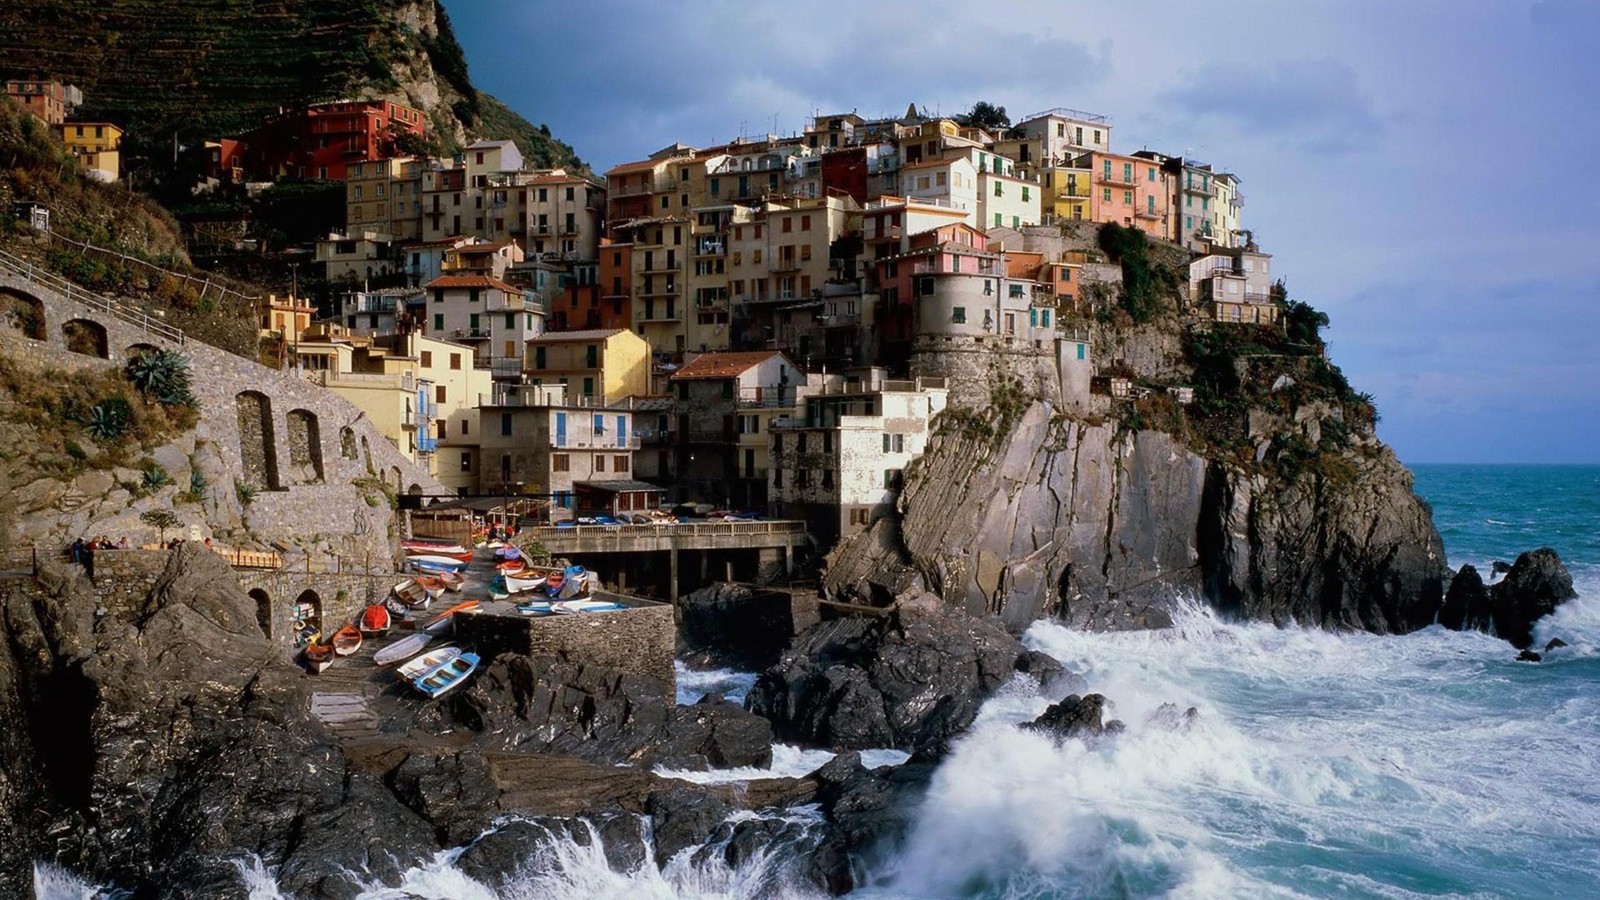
x=190, y=69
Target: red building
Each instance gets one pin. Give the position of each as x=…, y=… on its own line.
x=320, y=141
x=845, y=172
x=224, y=160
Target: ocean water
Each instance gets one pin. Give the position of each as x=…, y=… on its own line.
x=1317, y=764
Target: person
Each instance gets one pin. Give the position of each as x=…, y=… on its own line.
x=77, y=550
x=122, y=543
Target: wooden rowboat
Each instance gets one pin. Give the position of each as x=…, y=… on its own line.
x=452, y=580
x=413, y=593
x=346, y=640
x=318, y=657
x=448, y=676
x=442, y=621
x=516, y=585
x=427, y=662
x=405, y=648
x=454, y=554
x=433, y=565
x=430, y=545
x=511, y=565
x=573, y=607
x=375, y=620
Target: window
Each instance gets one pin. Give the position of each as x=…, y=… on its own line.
x=464, y=428
x=997, y=220
x=1024, y=193
x=599, y=463
x=939, y=178
x=788, y=225
x=999, y=189
x=805, y=223
x=588, y=389
x=664, y=201
x=505, y=424
x=1105, y=194
x=727, y=389
x=619, y=463
x=438, y=393
x=1151, y=174
x=958, y=315
x=1127, y=198
x=1083, y=350
x=777, y=477
x=827, y=478
x=438, y=321
x=1033, y=318
x=805, y=252
x=427, y=359
x=1044, y=318
x=891, y=479
x=559, y=462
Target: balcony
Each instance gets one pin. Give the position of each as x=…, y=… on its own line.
x=1206, y=190
x=710, y=248
x=594, y=442
x=659, y=266
x=786, y=264
x=662, y=315
x=1075, y=191
x=427, y=444
x=471, y=334
x=670, y=290
x=1145, y=212
x=1118, y=180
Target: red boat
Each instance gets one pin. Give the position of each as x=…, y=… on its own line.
x=318, y=657
x=429, y=545
x=375, y=621
x=442, y=621
x=346, y=640
x=511, y=565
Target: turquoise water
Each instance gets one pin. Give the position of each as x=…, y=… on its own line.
x=1494, y=512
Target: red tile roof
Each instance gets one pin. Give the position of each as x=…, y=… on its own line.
x=641, y=166
x=470, y=281
x=722, y=365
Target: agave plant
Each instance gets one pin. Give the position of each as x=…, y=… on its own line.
x=108, y=419
x=163, y=375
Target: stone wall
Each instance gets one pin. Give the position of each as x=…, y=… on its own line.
x=641, y=640
x=969, y=366
x=314, y=500
x=123, y=578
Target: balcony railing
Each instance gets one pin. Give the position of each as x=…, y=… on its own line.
x=1122, y=180
x=427, y=444
x=1145, y=212
x=594, y=442
x=662, y=315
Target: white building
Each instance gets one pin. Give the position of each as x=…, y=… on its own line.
x=496, y=318
x=840, y=463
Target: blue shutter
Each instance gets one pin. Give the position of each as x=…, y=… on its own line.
x=622, y=431
x=561, y=429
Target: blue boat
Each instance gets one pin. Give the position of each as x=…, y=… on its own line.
x=431, y=566
x=536, y=608
x=439, y=681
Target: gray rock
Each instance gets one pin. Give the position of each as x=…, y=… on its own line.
x=1073, y=717
x=681, y=818
x=1536, y=584
x=734, y=626
x=1466, y=604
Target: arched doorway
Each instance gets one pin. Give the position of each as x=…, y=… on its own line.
x=305, y=447
x=347, y=443
x=22, y=313
x=85, y=337
x=307, y=618
x=263, y=610
x=258, y=451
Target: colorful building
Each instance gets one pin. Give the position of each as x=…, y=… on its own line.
x=385, y=196
x=95, y=145
x=1131, y=191
x=604, y=366
x=321, y=141
x=51, y=101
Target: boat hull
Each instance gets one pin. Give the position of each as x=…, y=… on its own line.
x=446, y=678
x=403, y=649
x=427, y=662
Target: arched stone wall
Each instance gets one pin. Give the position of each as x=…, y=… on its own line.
x=312, y=599
x=134, y=351
x=347, y=443
x=263, y=610
x=396, y=480
x=305, y=447
x=258, y=452
x=85, y=337
x=366, y=454
x=20, y=312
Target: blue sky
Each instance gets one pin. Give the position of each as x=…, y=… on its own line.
x=1424, y=171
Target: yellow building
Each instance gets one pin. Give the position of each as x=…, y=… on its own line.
x=95, y=145
x=278, y=321
x=385, y=196
x=1066, y=193
x=603, y=366
x=421, y=393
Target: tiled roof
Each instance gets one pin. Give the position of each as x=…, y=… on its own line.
x=722, y=365
x=596, y=334
x=627, y=168
x=471, y=281
x=621, y=486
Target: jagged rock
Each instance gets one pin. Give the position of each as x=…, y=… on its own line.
x=1534, y=586
x=520, y=845
x=1104, y=528
x=1053, y=677
x=1555, y=643
x=681, y=818
x=1529, y=656
x=730, y=625
x=1168, y=716
x=546, y=704
x=1073, y=717
x=1466, y=604
x=909, y=679
x=1499, y=567
x=869, y=810
x=453, y=791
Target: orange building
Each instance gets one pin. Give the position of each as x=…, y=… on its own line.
x=616, y=285
x=49, y=100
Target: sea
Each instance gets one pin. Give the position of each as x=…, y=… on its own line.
x=1316, y=764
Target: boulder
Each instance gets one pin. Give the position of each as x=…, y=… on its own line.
x=910, y=679
x=1533, y=587
x=452, y=790
x=1529, y=656
x=1466, y=604
x=869, y=812
x=519, y=845
x=682, y=817
x=1073, y=717
x=734, y=626
x=546, y=704
x=1054, y=678
x=1554, y=644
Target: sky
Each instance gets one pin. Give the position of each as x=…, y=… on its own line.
x=1421, y=170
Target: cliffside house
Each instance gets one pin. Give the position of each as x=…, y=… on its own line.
x=1234, y=285
x=726, y=403
x=536, y=442
x=496, y=318
x=602, y=366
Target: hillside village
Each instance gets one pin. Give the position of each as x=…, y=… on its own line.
x=769, y=325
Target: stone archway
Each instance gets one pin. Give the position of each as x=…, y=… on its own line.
x=263, y=603
x=366, y=454
x=397, y=479
x=307, y=618
x=347, y=443
x=134, y=351
x=21, y=312
x=305, y=447
x=85, y=337
x=258, y=451
x=415, y=489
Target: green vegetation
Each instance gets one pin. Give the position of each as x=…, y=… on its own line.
x=498, y=122
x=156, y=477
x=197, y=487
x=163, y=376
x=161, y=520
x=245, y=491
x=987, y=116
x=85, y=419
x=1146, y=282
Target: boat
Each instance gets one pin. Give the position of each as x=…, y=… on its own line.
x=576, y=582
x=511, y=565
x=448, y=676
x=454, y=554
x=375, y=620
x=442, y=621
x=318, y=657
x=553, y=582
x=429, y=661
x=535, y=608
x=435, y=584
x=404, y=648
x=516, y=585
x=508, y=552
x=434, y=565
x=430, y=545
x=414, y=594
x=573, y=607
x=346, y=640
x=452, y=580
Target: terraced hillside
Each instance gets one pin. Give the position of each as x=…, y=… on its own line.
x=197, y=68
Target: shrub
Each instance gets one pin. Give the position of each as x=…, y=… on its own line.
x=162, y=375
x=161, y=520
x=109, y=419
x=245, y=491
x=156, y=477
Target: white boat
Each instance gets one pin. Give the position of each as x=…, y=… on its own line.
x=413, y=594
x=404, y=648
x=515, y=585
x=573, y=607
x=427, y=662
x=428, y=562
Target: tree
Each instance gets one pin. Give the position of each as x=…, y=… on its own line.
x=161, y=520
x=987, y=116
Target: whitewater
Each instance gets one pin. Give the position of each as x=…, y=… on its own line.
x=1316, y=764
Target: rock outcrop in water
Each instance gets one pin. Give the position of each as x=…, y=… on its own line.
x=912, y=678
x=1533, y=587
x=1106, y=528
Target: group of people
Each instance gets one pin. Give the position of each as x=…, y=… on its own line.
x=81, y=550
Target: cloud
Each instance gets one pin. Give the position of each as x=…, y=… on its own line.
x=1316, y=104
